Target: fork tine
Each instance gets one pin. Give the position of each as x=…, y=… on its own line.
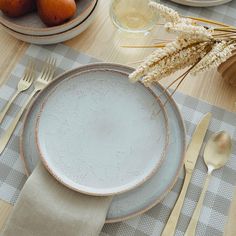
x=48, y=69
x=46, y=72
x=52, y=69
x=45, y=64
x=31, y=75
x=26, y=72
x=29, y=71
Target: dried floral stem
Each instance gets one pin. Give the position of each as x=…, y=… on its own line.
x=220, y=52
x=159, y=45
x=173, y=92
x=196, y=46
x=157, y=40
x=135, y=62
x=163, y=62
x=166, y=12
x=178, y=85
x=180, y=56
x=160, y=39
x=230, y=28
x=225, y=39
x=209, y=21
x=225, y=30
x=225, y=34
x=222, y=34
x=181, y=76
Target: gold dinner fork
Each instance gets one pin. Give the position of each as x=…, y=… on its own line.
x=24, y=83
x=44, y=78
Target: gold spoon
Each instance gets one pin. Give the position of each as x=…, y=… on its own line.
x=217, y=153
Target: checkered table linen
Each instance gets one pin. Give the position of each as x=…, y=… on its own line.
x=219, y=194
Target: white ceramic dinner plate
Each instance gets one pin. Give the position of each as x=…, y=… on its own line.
x=148, y=194
x=201, y=3
x=31, y=24
x=99, y=134
x=55, y=38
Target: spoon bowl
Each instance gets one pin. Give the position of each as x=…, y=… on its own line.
x=217, y=151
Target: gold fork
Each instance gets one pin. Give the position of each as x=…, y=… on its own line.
x=25, y=82
x=44, y=78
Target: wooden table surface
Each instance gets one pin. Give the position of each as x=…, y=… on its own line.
x=103, y=41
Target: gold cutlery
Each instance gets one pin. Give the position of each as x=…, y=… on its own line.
x=25, y=82
x=190, y=161
x=217, y=153
x=44, y=78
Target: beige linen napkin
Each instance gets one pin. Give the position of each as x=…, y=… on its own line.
x=47, y=208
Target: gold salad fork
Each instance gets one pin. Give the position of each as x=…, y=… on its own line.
x=24, y=83
x=43, y=79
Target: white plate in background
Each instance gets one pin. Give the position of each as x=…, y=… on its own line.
x=201, y=3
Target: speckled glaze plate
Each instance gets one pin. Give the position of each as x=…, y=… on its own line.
x=142, y=198
x=31, y=24
x=99, y=134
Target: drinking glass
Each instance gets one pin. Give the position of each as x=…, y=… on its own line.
x=132, y=15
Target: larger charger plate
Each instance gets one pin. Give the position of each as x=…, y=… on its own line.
x=147, y=195
x=99, y=134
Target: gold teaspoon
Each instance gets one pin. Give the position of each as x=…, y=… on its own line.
x=217, y=152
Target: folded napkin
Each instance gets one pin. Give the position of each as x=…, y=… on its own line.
x=46, y=207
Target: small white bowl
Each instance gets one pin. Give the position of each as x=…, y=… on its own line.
x=56, y=38
x=31, y=24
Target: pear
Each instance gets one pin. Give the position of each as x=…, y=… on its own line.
x=16, y=8
x=56, y=12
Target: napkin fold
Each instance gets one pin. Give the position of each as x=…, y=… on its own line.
x=46, y=207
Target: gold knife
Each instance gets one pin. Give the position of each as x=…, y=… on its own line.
x=190, y=161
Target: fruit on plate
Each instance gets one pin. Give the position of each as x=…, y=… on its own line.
x=56, y=12
x=15, y=8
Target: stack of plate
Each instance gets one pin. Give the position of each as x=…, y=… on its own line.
x=30, y=28
x=99, y=134
x=201, y=3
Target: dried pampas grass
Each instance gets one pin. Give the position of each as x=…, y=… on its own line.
x=196, y=48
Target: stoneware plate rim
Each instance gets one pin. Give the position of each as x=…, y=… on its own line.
x=113, y=190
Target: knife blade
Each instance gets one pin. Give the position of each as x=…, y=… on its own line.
x=196, y=142
x=190, y=162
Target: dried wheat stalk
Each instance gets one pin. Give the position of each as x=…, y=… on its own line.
x=197, y=48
